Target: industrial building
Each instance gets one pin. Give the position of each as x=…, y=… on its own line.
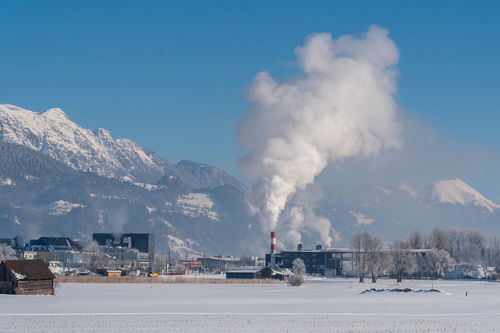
x=54, y=244
x=26, y=277
x=129, y=246
x=329, y=261
x=317, y=261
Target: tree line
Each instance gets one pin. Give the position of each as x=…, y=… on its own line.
x=423, y=256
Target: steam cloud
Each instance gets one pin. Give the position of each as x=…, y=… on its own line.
x=341, y=106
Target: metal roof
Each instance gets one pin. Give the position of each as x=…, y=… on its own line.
x=246, y=269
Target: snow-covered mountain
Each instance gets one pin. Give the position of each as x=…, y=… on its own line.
x=199, y=176
x=53, y=133
x=456, y=192
x=59, y=179
x=42, y=196
x=392, y=212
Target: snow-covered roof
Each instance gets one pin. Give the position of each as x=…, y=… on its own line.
x=246, y=269
x=34, y=269
x=457, y=192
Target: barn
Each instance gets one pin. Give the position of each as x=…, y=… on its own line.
x=247, y=272
x=258, y=272
x=26, y=277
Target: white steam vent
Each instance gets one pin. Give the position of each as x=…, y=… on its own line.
x=341, y=106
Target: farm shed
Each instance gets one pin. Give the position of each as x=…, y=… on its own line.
x=258, y=272
x=26, y=277
x=246, y=272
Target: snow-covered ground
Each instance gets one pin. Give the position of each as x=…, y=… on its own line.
x=317, y=306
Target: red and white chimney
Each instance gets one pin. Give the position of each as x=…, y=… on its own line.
x=273, y=242
x=273, y=248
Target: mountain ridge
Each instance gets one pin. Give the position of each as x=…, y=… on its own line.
x=48, y=189
x=53, y=133
x=456, y=192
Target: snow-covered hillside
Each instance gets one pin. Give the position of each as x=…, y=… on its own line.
x=40, y=196
x=392, y=212
x=57, y=178
x=456, y=192
x=53, y=133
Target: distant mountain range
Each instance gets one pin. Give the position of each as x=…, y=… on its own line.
x=393, y=212
x=57, y=178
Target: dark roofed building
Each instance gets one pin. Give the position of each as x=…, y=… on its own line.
x=54, y=244
x=8, y=241
x=247, y=272
x=258, y=272
x=144, y=243
x=26, y=277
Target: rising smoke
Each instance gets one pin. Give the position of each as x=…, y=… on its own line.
x=341, y=106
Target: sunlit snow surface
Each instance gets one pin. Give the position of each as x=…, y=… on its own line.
x=457, y=192
x=317, y=306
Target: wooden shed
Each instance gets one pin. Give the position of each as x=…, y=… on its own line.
x=26, y=277
x=246, y=272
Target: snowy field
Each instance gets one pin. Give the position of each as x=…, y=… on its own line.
x=318, y=306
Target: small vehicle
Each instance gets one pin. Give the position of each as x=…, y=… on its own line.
x=153, y=274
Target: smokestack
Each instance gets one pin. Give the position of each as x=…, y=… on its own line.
x=273, y=242
x=273, y=248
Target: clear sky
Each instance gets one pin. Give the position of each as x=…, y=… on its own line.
x=171, y=75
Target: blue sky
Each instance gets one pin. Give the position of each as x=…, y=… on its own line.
x=172, y=75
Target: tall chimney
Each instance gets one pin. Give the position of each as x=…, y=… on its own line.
x=273, y=248
x=273, y=242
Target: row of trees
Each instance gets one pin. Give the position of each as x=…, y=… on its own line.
x=443, y=250
x=464, y=246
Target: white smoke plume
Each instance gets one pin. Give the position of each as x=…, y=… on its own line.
x=341, y=106
x=299, y=219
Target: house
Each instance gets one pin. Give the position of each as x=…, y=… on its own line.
x=26, y=277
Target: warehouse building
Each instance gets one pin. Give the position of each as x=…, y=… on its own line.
x=317, y=261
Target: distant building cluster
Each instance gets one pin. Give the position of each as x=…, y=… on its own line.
x=118, y=255
x=453, y=254
x=105, y=253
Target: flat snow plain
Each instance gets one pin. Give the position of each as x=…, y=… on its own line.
x=331, y=305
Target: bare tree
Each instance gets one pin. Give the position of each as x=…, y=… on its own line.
x=98, y=259
x=467, y=246
x=402, y=260
x=7, y=252
x=437, y=263
x=493, y=251
x=299, y=271
x=416, y=240
x=359, y=242
x=438, y=240
x=375, y=257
